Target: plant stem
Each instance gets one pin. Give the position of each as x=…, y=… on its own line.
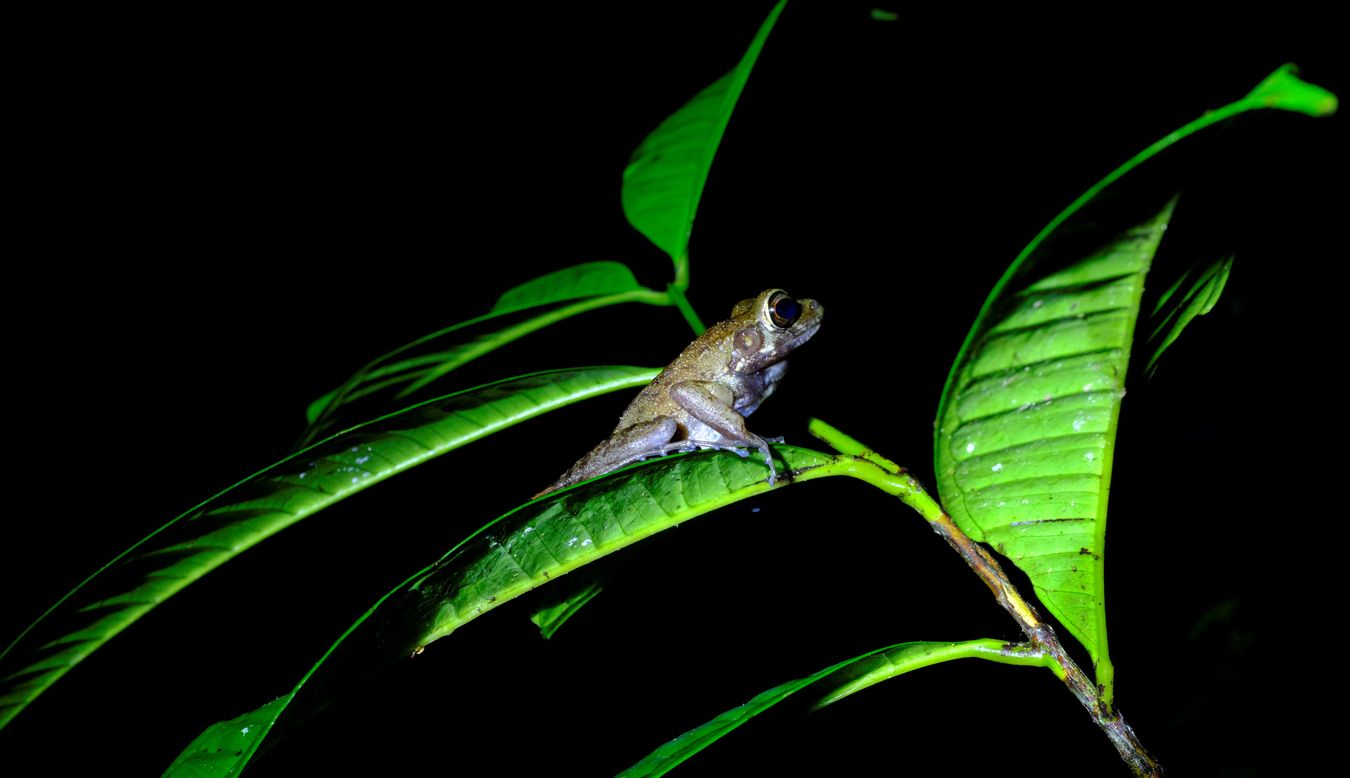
x=676, y=295
x=891, y=478
x=1040, y=633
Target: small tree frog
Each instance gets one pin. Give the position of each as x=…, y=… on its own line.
x=702, y=398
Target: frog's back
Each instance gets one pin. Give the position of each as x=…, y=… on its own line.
x=708, y=356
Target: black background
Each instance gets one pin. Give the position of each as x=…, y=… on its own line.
x=222, y=217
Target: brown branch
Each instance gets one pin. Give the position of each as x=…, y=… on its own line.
x=1039, y=633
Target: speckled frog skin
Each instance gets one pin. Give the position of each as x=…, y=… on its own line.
x=702, y=398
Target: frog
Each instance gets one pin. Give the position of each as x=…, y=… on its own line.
x=700, y=400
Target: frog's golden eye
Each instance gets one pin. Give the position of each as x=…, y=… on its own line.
x=783, y=310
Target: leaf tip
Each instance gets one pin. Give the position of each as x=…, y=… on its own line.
x=320, y=404
x=1284, y=90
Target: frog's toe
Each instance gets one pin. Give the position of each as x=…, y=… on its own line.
x=768, y=460
x=778, y=439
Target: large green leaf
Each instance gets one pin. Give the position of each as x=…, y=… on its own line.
x=552, y=537
x=829, y=685
x=1028, y=436
x=663, y=182
x=1027, y=421
x=411, y=367
x=515, y=553
x=210, y=534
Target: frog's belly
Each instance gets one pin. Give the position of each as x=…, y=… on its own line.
x=699, y=432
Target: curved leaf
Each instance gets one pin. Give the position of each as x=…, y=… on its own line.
x=663, y=182
x=871, y=669
x=1028, y=436
x=515, y=553
x=413, y=366
x=831, y=684
x=196, y=542
x=549, y=538
x=1026, y=425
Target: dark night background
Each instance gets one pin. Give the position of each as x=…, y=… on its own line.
x=228, y=215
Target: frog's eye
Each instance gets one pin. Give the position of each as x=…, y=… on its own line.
x=783, y=310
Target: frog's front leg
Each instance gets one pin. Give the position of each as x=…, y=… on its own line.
x=628, y=445
x=713, y=404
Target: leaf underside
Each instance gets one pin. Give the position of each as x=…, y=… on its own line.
x=1027, y=437
x=664, y=180
x=1026, y=425
x=239, y=517
x=522, y=550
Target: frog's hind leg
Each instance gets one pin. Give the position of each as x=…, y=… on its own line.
x=624, y=447
x=712, y=404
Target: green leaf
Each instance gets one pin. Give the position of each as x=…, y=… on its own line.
x=304, y=483
x=527, y=548
x=830, y=685
x=672, y=753
x=1199, y=299
x=223, y=747
x=664, y=180
x=871, y=669
x=411, y=367
x=549, y=538
x=1284, y=90
x=591, y=279
x=1028, y=437
x=319, y=405
x=1025, y=431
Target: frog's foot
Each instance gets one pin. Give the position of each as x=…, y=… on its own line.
x=684, y=446
x=777, y=439
x=678, y=447
x=768, y=460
